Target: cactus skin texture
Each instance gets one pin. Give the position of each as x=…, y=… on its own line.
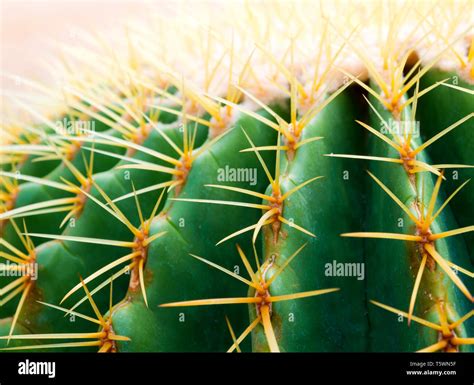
x=434, y=120
x=284, y=194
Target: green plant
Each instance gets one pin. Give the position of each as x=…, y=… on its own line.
x=252, y=161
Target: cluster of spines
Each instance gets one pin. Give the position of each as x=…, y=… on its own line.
x=201, y=102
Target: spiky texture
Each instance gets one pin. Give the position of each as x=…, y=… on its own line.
x=204, y=180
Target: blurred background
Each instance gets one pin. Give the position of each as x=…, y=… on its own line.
x=30, y=30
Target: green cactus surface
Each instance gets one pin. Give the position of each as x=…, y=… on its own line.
x=296, y=182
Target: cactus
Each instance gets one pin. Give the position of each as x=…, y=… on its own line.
x=296, y=185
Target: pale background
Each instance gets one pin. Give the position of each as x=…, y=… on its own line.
x=29, y=29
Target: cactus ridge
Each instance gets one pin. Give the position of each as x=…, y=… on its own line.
x=277, y=169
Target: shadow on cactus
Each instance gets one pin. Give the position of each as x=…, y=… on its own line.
x=118, y=205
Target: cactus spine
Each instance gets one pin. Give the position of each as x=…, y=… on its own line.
x=215, y=197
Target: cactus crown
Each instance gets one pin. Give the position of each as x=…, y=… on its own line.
x=129, y=153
